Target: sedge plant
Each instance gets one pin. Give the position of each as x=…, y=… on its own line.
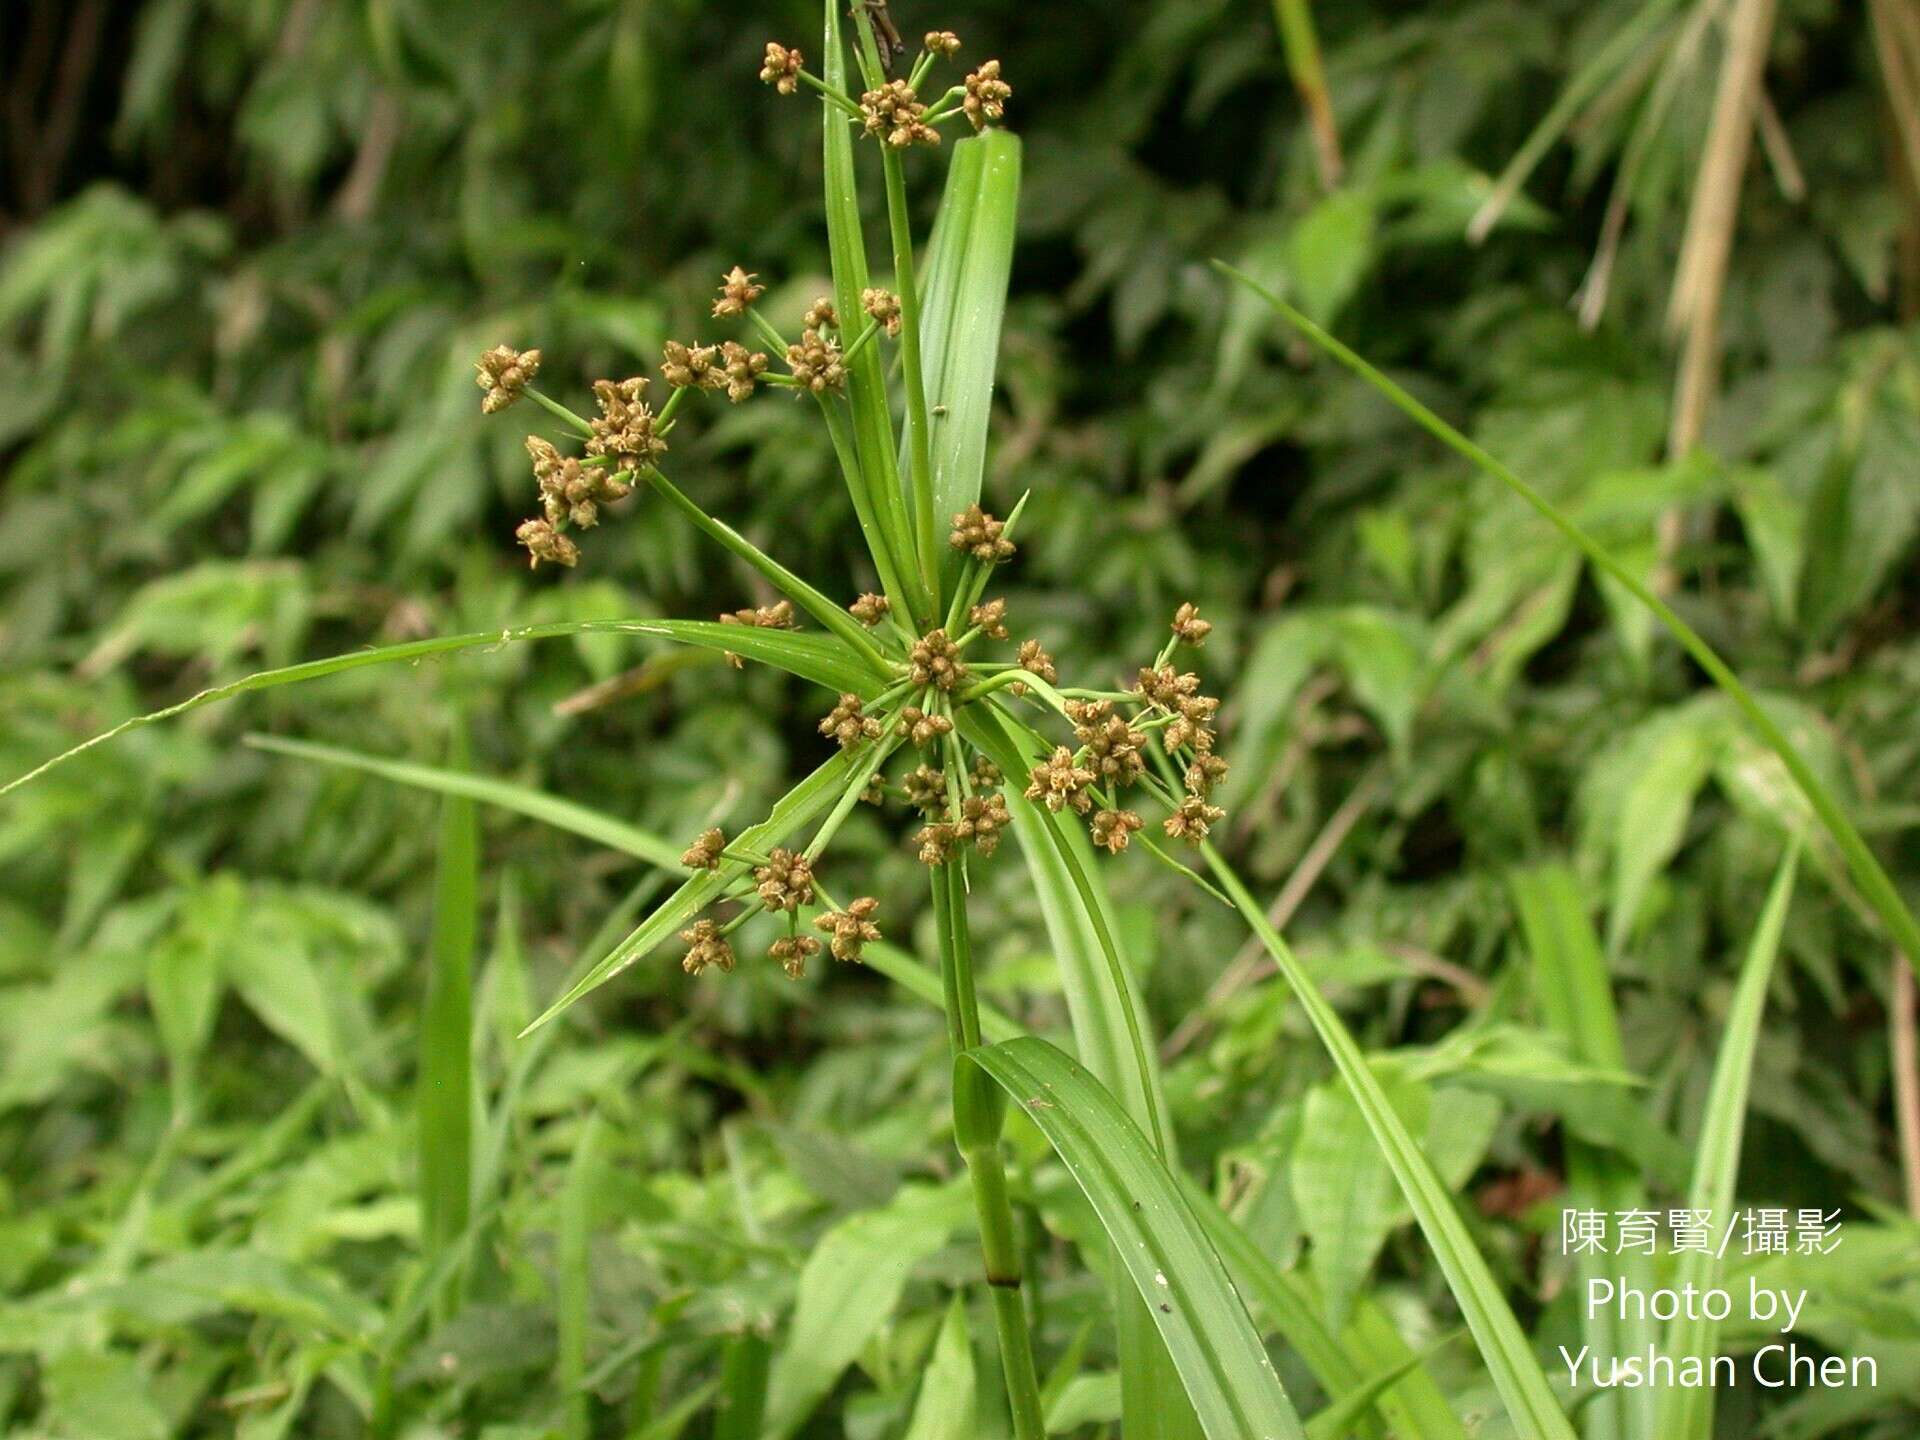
x=939, y=714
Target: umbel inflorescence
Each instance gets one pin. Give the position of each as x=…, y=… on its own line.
x=936, y=651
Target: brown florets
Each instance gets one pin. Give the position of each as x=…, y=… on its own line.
x=987, y=95
x=982, y=818
x=504, y=374
x=893, y=115
x=1036, y=661
x=1058, y=782
x=986, y=774
x=777, y=616
x=820, y=316
x=921, y=728
x=1113, y=746
x=1113, y=829
x=543, y=542
x=847, y=725
x=1193, y=819
x=942, y=42
x=1204, y=773
x=572, y=493
x=782, y=68
x=990, y=619
x=935, y=660
x=935, y=844
x=869, y=608
x=981, y=536
x=741, y=369
x=850, y=928
x=785, y=882
x=1190, y=727
x=623, y=431
x=704, y=852
x=707, y=948
x=1188, y=627
x=684, y=366
x=737, y=290
x=926, y=789
x=883, y=306
x=793, y=952
x=816, y=364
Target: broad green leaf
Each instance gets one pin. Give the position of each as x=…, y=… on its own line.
x=963, y=298
x=1686, y=1412
x=184, y=978
x=1162, y=1248
x=812, y=657
x=444, y=1087
x=1515, y=1369
x=1868, y=874
x=945, y=1407
x=1330, y=250
x=849, y=1286
x=272, y=968
x=103, y=1396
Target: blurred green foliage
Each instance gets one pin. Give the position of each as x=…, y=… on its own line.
x=251, y=248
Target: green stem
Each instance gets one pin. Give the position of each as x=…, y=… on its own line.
x=847, y=451
x=919, y=443
x=999, y=1244
x=548, y=403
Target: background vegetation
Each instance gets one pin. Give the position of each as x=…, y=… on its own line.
x=250, y=250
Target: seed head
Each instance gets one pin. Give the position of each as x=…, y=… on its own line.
x=980, y=535
x=869, y=608
x=682, y=366
x=623, y=431
x=850, y=928
x=942, y=42
x=847, y=725
x=1113, y=746
x=815, y=363
x=737, y=290
x=793, y=952
x=543, y=542
x=926, y=789
x=1036, y=661
x=782, y=68
x=706, y=948
x=986, y=774
x=704, y=852
x=935, y=660
x=820, y=316
x=936, y=844
x=884, y=306
x=921, y=728
x=742, y=369
x=982, y=818
x=987, y=95
x=777, y=616
x=893, y=115
x=785, y=882
x=1112, y=829
x=1192, y=820
x=1204, y=773
x=991, y=618
x=1164, y=687
x=504, y=374
x=572, y=493
x=1188, y=627
x=1058, y=782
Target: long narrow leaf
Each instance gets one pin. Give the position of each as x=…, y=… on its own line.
x=445, y=1087
x=1866, y=870
x=812, y=657
x=1686, y=1411
x=1515, y=1369
x=1216, y=1351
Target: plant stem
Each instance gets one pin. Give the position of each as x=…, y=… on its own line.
x=999, y=1244
x=919, y=445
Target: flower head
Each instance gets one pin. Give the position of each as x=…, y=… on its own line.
x=815, y=363
x=785, y=882
x=942, y=42
x=544, y=542
x=987, y=95
x=707, y=948
x=1188, y=627
x=893, y=115
x=741, y=369
x=869, y=608
x=624, y=429
x=793, y=952
x=737, y=290
x=850, y=928
x=704, y=852
x=990, y=619
x=935, y=660
x=1112, y=829
x=1058, y=783
x=981, y=536
x=504, y=374
x=782, y=68
x=883, y=306
x=920, y=727
x=847, y=725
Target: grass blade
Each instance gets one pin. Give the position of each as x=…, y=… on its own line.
x=573, y=1288
x=1866, y=870
x=1571, y=981
x=812, y=657
x=524, y=800
x=444, y=1099
x=1509, y=1358
x=1216, y=1351
x=963, y=302
x=1686, y=1411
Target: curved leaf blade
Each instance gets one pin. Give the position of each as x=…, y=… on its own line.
x=1216, y=1351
